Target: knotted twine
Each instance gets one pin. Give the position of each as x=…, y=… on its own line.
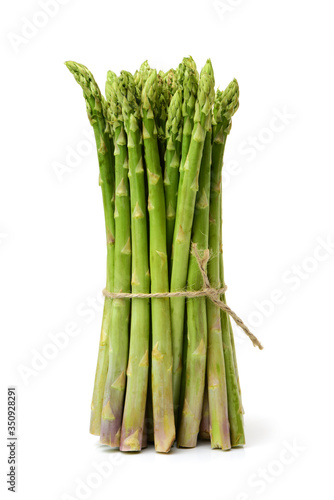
x=207, y=291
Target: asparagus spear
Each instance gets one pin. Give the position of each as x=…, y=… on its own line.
x=170, y=78
x=140, y=78
x=188, y=79
x=184, y=218
x=229, y=103
x=196, y=312
x=164, y=428
x=119, y=330
x=235, y=408
x=218, y=375
x=217, y=390
x=95, y=110
x=229, y=319
x=172, y=163
x=137, y=372
x=161, y=115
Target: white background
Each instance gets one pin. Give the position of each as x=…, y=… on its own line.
x=278, y=206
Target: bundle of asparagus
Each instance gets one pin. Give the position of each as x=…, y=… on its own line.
x=166, y=366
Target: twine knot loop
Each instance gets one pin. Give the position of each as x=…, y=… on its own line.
x=213, y=294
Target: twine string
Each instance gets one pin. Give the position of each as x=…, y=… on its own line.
x=213, y=294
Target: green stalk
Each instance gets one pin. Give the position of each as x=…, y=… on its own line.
x=161, y=116
x=217, y=389
x=170, y=78
x=95, y=111
x=137, y=372
x=140, y=78
x=172, y=164
x=229, y=102
x=196, y=312
x=188, y=80
x=184, y=219
x=221, y=263
x=219, y=375
x=235, y=409
x=119, y=330
x=164, y=428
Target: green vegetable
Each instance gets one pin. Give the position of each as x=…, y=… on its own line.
x=184, y=219
x=228, y=105
x=119, y=330
x=96, y=115
x=137, y=372
x=196, y=312
x=162, y=361
x=167, y=367
x=172, y=165
x=188, y=80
